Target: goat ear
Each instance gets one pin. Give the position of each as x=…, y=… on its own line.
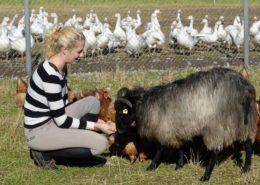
x=133, y=124
x=138, y=94
x=122, y=92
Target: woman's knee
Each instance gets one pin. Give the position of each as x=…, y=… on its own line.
x=101, y=145
x=93, y=103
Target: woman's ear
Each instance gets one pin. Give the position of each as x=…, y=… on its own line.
x=64, y=50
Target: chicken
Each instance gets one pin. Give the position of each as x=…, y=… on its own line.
x=111, y=112
x=107, y=111
x=125, y=145
x=20, y=94
x=130, y=150
x=243, y=71
x=105, y=102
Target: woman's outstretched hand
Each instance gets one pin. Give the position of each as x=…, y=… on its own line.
x=104, y=127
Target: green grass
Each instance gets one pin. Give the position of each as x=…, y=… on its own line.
x=17, y=168
x=127, y=3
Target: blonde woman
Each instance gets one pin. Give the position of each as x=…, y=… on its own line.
x=54, y=128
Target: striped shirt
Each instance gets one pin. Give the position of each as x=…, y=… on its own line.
x=46, y=99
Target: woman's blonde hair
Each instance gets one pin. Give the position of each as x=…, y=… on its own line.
x=60, y=37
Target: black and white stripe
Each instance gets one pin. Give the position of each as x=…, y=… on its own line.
x=46, y=99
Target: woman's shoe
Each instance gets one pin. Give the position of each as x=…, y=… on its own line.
x=40, y=161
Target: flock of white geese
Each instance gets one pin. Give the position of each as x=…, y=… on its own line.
x=101, y=36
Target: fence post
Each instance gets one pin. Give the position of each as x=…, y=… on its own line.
x=27, y=38
x=246, y=39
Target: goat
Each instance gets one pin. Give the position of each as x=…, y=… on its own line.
x=217, y=105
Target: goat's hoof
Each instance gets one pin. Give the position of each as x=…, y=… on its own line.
x=246, y=169
x=178, y=167
x=238, y=162
x=204, y=178
x=151, y=168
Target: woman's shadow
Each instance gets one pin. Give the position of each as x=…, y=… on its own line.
x=92, y=161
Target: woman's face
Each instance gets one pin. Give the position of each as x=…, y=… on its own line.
x=76, y=53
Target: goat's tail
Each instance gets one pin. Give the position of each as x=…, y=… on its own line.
x=250, y=117
x=246, y=107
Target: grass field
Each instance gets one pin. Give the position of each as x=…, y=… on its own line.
x=17, y=168
x=132, y=3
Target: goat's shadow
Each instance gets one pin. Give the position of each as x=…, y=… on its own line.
x=195, y=152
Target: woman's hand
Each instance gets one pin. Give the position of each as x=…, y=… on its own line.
x=104, y=127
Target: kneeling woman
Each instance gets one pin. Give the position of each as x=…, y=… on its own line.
x=54, y=128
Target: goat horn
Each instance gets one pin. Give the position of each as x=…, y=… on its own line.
x=127, y=102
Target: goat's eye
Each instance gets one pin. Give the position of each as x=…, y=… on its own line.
x=125, y=111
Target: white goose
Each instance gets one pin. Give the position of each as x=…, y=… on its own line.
x=11, y=24
x=102, y=40
x=127, y=20
x=154, y=23
x=97, y=25
x=87, y=22
x=210, y=38
x=55, y=21
x=17, y=39
x=5, y=44
x=136, y=23
x=221, y=32
x=184, y=39
x=4, y=22
x=90, y=41
x=119, y=33
x=134, y=42
x=234, y=31
x=255, y=27
x=234, y=26
x=255, y=31
x=189, y=29
x=37, y=27
x=153, y=35
x=239, y=39
x=178, y=18
x=256, y=39
x=206, y=29
x=173, y=34
x=71, y=20
x=113, y=41
x=46, y=24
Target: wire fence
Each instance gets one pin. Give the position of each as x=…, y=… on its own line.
x=156, y=37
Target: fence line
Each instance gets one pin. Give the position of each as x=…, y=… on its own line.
x=172, y=53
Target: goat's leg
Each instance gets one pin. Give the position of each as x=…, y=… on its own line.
x=237, y=158
x=248, y=158
x=180, y=160
x=211, y=163
x=157, y=158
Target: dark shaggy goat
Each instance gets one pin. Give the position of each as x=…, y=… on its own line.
x=218, y=105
